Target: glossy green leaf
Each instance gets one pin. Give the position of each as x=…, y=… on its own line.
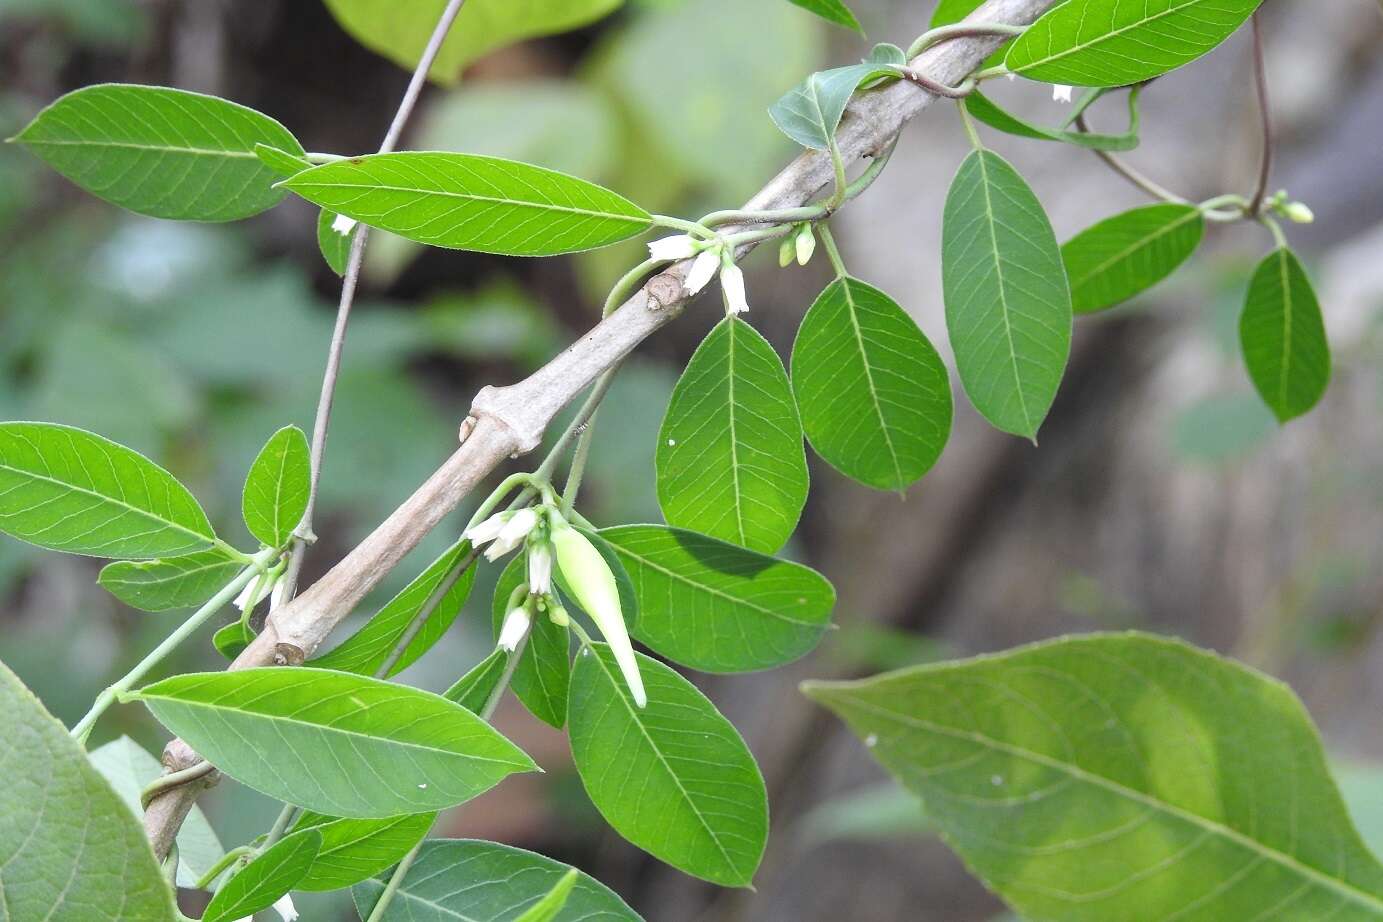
x=874, y=395
x=553, y=902
x=1129, y=253
x=809, y=112
x=170, y=582
x=470, y=202
x=368, y=649
x=717, y=607
x=130, y=769
x=985, y=110
x=161, y=152
x=257, y=885
x=730, y=461
x=948, y=12
x=281, y=161
x=334, y=245
x=68, y=842
x=353, y=850
x=232, y=639
x=1282, y=335
x=70, y=490
x=1121, y=776
x=1118, y=42
x=832, y=11
x=541, y=678
x=277, y=487
x=399, y=32
x=473, y=689
x=463, y=880
x=1008, y=307
x=335, y=743
x=674, y=778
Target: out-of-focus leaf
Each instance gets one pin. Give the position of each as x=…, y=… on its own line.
x=832, y=11
x=1121, y=256
x=1282, y=334
x=170, y=582
x=881, y=811
x=1221, y=428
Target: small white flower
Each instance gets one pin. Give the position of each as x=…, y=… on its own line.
x=248, y=597
x=732, y=285
x=678, y=246
x=703, y=267
x=276, y=597
x=487, y=530
x=514, y=629
x=1061, y=92
x=540, y=568
x=343, y=225
x=515, y=530
x=284, y=907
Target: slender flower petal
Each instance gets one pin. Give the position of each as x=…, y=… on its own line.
x=343, y=225
x=514, y=629
x=732, y=285
x=1061, y=92
x=285, y=908
x=703, y=267
x=540, y=568
x=248, y=597
x=678, y=246
x=488, y=530
x=515, y=530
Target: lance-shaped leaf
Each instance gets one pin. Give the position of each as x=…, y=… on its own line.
x=335, y=743
x=172, y=582
x=1123, y=777
x=1129, y=253
x=70, y=490
x=832, y=11
x=730, y=461
x=985, y=110
x=281, y=161
x=1118, y=42
x=470, y=202
x=277, y=487
x=353, y=849
x=541, y=677
x=809, y=112
x=873, y=393
x=1282, y=335
x=463, y=880
x=71, y=848
x=368, y=649
x=553, y=902
x=473, y=689
x=334, y=245
x=161, y=152
x=256, y=886
x=1008, y=308
x=717, y=607
x=674, y=778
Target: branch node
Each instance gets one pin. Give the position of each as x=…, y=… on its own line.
x=494, y=402
x=467, y=427
x=287, y=654
x=663, y=289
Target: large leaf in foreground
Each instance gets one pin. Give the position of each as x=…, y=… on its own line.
x=1008, y=308
x=1282, y=334
x=272, y=874
x=70, y=490
x=161, y=152
x=674, y=778
x=335, y=743
x=1121, y=777
x=463, y=880
x=1121, y=256
x=470, y=202
x=717, y=607
x=69, y=847
x=277, y=487
x=354, y=849
x=172, y=582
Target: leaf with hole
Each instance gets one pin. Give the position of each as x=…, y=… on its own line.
x=335, y=743
x=470, y=202
x=674, y=778
x=1008, y=307
x=717, y=607
x=540, y=679
x=1282, y=334
x=70, y=490
x=353, y=850
x=730, y=461
x=161, y=152
x=169, y=582
x=1121, y=776
x=277, y=487
x=269, y=876
x=1129, y=253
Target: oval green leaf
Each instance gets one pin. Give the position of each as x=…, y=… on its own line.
x=161, y=152
x=69, y=490
x=277, y=487
x=810, y=112
x=353, y=850
x=874, y=395
x=1129, y=253
x=276, y=871
x=470, y=202
x=1282, y=334
x=173, y=582
x=1008, y=307
x=832, y=11
x=232, y=639
x=985, y=110
x=334, y=245
x=541, y=677
x=335, y=743
x=674, y=778
x=717, y=607
x=730, y=461
x=1123, y=777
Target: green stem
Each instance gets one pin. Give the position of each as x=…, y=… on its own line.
x=234, y=554
x=578, y=464
x=871, y=172
x=280, y=826
x=754, y=236
x=959, y=30
x=969, y=124
x=837, y=164
x=1271, y=224
x=226, y=860
x=771, y=216
x=493, y=500
x=323, y=158
x=688, y=227
x=832, y=253
x=172, y=780
x=628, y=283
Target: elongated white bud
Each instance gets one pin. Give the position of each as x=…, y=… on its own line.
x=540, y=568
x=702, y=270
x=732, y=284
x=515, y=530
x=487, y=530
x=805, y=244
x=678, y=246
x=514, y=629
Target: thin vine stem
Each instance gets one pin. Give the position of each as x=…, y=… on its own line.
x=960, y=30
x=1260, y=80
x=225, y=861
x=828, y=240
x=1128, y=172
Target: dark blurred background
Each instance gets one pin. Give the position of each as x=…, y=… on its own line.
x=1163, y=495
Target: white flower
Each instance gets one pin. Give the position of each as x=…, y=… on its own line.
x=678, y=246
x=732, y=286
x=248, y=597
x=540, y=568
x=487, y=530
x=703, y=267
x=1061, y=92
x=506, y=529
x=276, y=598
x=514, y=629
x=343, y=225
x=805, y=244
x=284, y=907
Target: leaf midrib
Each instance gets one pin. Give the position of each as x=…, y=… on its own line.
x=992, y=224
x=869, y=379
x=131, y=145
x=1138, y=245
x=1107, y=36
x=466, y=196
x=1287, y=308
x=734, y=439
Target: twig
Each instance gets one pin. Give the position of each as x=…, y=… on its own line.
x=1260, y=79
x=1128, y=172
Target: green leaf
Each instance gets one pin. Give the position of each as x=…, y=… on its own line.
x=69, y=490
x=161, y=152
x=469, y=202
x=985, y=110
x=1121, y=776
x=1129, y=253
x=334, y=245
x=231, y=640
x=876, y=813
x=730, y=461
x=473, y=689
x=277, y=487
x=281, y=161
x=717, y=607
x=832, y=11
x=463, y=880
x=1008, y=307
x=948, y=12
x=873, y=393
x=809, y=112
x=400, y=32
x=335, y=743
x=1118, y=42
x=69, y=842
x=172, y=582
x=1282, y=335
x=674, y=778
x=541, y=678
x=367, y=650
x=551, y=905
x=276, y=871
x=353, y=850
x=129, y=769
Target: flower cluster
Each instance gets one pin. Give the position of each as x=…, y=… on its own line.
x=707, y=256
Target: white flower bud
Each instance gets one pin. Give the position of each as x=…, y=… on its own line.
x=678, y=246
x=1298, y=213
x=1061, y=92
x=732, y=286
x=343, y=225
x=702, y=268
x=785, y=252
x=285, y=908
x=558, y=615
x=514, y=629
x=805, y=244
x=515, y=530
x=540, y=568
x=487, y=530
x=249, y=597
